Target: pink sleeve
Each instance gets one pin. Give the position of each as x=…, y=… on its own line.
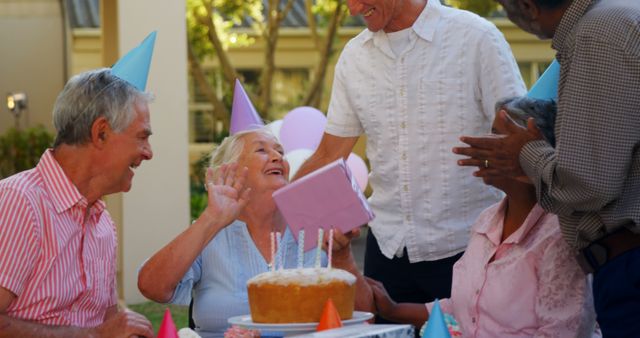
x=445, y=306
x=565, y=304
x=19, y=240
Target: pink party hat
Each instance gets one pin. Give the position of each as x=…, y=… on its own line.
x=243, y=115
x=167, y=327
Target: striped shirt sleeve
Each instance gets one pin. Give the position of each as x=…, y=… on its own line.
x=19, y=240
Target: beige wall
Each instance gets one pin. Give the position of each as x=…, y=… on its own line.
x=157, y=207
x=86, y=50
x=32, y=58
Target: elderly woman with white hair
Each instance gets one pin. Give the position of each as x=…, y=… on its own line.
x=230, y=242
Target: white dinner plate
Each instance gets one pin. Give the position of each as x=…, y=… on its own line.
x=245, y=321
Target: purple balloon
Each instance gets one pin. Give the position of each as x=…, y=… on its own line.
x=302, y=128
x=358, y=170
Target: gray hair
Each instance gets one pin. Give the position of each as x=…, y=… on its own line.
x=231, y=147
x=89, y=96
x=543, y=112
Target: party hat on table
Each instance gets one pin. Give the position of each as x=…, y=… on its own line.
x=167, y=327
x=243, y=115
x=436, y=326
x=134, y=66
x=330, y=318
x=546, y=88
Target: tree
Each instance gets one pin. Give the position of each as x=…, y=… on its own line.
x=210, y=34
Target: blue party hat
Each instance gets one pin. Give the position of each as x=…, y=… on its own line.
x=436, y=327
x=546, y=88
x=243, y=115
x=134, y=66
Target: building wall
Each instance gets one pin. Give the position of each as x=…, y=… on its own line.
x=87, y=50
x=29, y=30
x=157, y=207
x=297, y=53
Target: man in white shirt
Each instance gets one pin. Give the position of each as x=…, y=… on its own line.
x=419, y=76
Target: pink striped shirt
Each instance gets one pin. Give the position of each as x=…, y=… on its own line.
x=59, y=263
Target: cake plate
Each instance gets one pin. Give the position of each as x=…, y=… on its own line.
x=289, y=329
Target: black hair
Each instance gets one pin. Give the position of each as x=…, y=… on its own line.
x=551, y=4
x=543, y=112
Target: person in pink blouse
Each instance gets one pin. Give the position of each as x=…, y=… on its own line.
x=518, y=277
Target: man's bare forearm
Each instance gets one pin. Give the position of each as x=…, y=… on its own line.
x=330, y=149
x=11, y=328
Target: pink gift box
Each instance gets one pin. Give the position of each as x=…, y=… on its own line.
x=328, y=197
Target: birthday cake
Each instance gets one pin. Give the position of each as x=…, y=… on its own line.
x=298, y=295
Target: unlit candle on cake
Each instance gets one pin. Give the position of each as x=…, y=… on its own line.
x=272, y=238
x=301, y=249
x=319, y=247
x=278, y=250
x=330, y=247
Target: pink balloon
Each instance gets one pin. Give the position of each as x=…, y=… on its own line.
x=358, y=170
x=302, y=128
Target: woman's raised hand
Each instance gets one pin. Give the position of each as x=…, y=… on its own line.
x=226, y=192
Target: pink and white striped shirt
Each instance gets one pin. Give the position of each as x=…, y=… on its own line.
x=58, y=262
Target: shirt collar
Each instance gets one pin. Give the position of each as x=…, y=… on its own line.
x=493, y=228
x=570, y=18
x=424, y=27
x=64, y=193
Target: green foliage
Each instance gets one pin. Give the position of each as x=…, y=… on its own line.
x=197, y=192
x=226, y=14
x=21, y=149
x=154, y=312
x=480, y=7
x=325, y=9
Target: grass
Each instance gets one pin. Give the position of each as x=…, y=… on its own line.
x=154, y=312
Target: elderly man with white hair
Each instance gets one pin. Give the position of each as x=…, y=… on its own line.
x=57, y=241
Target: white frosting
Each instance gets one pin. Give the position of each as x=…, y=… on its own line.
x=306, y=276
x=188, y=333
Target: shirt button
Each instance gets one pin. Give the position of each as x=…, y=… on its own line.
x=404, y=156
x=473, y=320
x=477, y=292
x=402, y=92
x=405, y=187
x=403, y=125
x=408, y=218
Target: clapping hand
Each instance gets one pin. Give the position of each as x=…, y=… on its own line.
x=226, y=191
x=499, y=155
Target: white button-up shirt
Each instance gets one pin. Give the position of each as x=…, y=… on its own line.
x=413, y=107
